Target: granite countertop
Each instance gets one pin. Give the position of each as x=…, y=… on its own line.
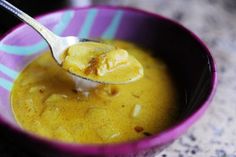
x=214, y=21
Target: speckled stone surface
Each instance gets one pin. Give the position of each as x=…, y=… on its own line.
x=214, y=21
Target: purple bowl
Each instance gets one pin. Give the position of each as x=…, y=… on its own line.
x=189, y=60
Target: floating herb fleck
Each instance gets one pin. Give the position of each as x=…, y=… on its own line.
x=74, y=90
x=138, y=129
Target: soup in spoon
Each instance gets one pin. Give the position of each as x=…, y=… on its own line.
x=102, y=62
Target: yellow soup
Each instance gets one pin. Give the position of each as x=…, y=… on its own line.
x=45, y=102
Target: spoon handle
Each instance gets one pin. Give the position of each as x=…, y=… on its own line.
x=42, y=30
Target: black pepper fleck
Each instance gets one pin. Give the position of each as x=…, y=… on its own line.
x=41, y=91
x=136, y=96
x=74, y=90
x=147, y=134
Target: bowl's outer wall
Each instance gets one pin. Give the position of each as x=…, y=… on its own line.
x=189, y=60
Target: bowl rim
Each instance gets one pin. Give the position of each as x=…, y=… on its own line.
x=160, y=139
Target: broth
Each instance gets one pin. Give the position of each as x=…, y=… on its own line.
x=45, y=102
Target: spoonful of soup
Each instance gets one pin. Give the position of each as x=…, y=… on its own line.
x=84, y=58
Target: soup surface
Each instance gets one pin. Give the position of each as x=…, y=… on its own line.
x=45, y=102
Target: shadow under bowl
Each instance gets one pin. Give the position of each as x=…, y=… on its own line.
x=188, y=58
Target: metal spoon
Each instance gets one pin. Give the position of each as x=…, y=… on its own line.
x=57, y=44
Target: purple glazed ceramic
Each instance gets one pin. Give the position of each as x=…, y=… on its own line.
x=189, y=60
